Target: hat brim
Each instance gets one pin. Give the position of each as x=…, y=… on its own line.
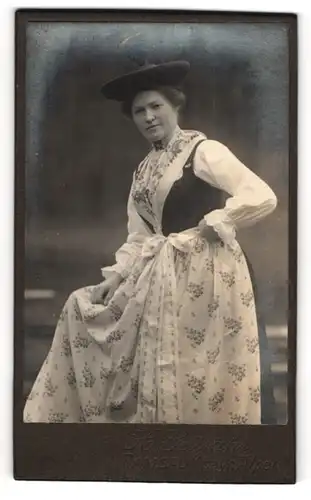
x=126, y=86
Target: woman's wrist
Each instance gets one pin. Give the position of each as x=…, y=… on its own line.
x=208, y=232
x=118, y=276
x=222, y=225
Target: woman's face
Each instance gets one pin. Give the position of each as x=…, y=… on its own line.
x=154, y=116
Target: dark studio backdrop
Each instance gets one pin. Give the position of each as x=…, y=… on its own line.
x=81, y=154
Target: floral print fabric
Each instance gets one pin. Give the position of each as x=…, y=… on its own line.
x=178, y=341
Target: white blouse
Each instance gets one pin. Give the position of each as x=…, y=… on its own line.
x=251, y=199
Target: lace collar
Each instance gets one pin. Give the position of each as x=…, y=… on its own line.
x=161, y=146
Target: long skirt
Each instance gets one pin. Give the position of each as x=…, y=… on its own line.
x=177, y=343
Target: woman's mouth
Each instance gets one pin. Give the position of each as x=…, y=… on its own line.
x=152, y=127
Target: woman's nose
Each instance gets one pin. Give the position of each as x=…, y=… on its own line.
x=149, y=116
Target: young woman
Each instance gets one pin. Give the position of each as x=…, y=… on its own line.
x=172, y=333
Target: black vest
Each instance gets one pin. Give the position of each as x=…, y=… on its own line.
x=189, y=199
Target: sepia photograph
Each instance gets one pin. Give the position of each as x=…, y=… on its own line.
x=156, y=223
x=155, y=249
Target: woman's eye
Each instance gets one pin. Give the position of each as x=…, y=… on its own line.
x=156, y=106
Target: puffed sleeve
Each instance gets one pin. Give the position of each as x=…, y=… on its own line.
x=251, y=199
x=127, y=254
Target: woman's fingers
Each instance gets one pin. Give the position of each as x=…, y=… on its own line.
x=212, y=235
x=99, y=292
x=109, y=295
x=208, y=232
x=202, y=225
x=103, y=292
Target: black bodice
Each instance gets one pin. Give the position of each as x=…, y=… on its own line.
x=189, y=199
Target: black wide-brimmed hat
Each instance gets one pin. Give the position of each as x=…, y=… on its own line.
x=145, y=78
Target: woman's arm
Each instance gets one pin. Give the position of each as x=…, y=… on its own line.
x=131, y=249
x=251, y=198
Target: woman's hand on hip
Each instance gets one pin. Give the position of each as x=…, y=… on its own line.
x=208, y=232
x=103, y=292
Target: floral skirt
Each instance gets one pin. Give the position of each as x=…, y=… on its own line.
x=177, y=343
